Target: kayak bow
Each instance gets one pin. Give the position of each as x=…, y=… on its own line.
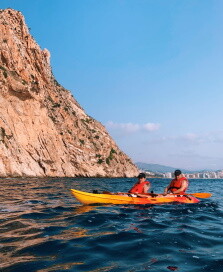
x=124, y=198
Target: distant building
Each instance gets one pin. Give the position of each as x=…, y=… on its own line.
x=196, y=175
x=168, y=175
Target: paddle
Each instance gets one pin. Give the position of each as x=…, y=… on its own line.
x=198, y=195
x=201, y=195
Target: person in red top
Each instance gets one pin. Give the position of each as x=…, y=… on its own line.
x=178, y=185
x=141, y=186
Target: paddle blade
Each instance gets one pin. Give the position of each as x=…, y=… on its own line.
x=201, y=195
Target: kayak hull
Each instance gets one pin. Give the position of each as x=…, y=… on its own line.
x=92, y=198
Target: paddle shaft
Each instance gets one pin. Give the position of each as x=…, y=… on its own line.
x=198, y=195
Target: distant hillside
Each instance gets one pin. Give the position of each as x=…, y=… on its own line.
x=157, y=168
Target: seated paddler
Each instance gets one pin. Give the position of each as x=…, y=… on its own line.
x=178, y=185
x=141, y=186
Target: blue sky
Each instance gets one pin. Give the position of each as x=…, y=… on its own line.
x=149, y=70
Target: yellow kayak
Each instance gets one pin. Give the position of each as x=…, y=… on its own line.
x=125, y=198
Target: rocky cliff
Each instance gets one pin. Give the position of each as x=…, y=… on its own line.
x=43, y=130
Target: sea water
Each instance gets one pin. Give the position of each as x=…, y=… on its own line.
x=44, y=228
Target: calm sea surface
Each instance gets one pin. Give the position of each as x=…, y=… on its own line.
x=43, y=228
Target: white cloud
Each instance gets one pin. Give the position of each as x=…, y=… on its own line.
x=210, y=137
x=151, y=126
x=131, y=127
x=190, y=137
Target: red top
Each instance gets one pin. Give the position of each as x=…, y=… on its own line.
x=176, y=184
x=138, y=187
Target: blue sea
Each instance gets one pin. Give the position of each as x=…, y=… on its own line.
x=43, y=228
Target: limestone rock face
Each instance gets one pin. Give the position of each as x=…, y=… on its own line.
x=43, y=130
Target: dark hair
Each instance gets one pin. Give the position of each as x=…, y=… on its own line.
x=142, y=175
x=177, y=173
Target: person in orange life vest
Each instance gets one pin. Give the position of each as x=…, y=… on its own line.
x=178, y=185
x=141, y=186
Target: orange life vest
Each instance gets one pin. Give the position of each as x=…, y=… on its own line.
x=138, y=187
x=176, y=184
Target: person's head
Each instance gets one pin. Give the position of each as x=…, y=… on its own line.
x=141, y=176
x=177, y=173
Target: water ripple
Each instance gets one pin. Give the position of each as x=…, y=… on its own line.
x=43, y=228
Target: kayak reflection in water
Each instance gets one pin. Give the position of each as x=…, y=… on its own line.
x=178, y=185
x=141, y=186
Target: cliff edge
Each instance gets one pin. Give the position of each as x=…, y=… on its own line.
x=43, y=130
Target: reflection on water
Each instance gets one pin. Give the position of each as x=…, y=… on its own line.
x=84, y=209
x=43, y=228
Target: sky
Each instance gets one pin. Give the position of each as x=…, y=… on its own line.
x=149, y=70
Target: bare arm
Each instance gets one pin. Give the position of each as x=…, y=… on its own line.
x=146, y=188
x=166, y=189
